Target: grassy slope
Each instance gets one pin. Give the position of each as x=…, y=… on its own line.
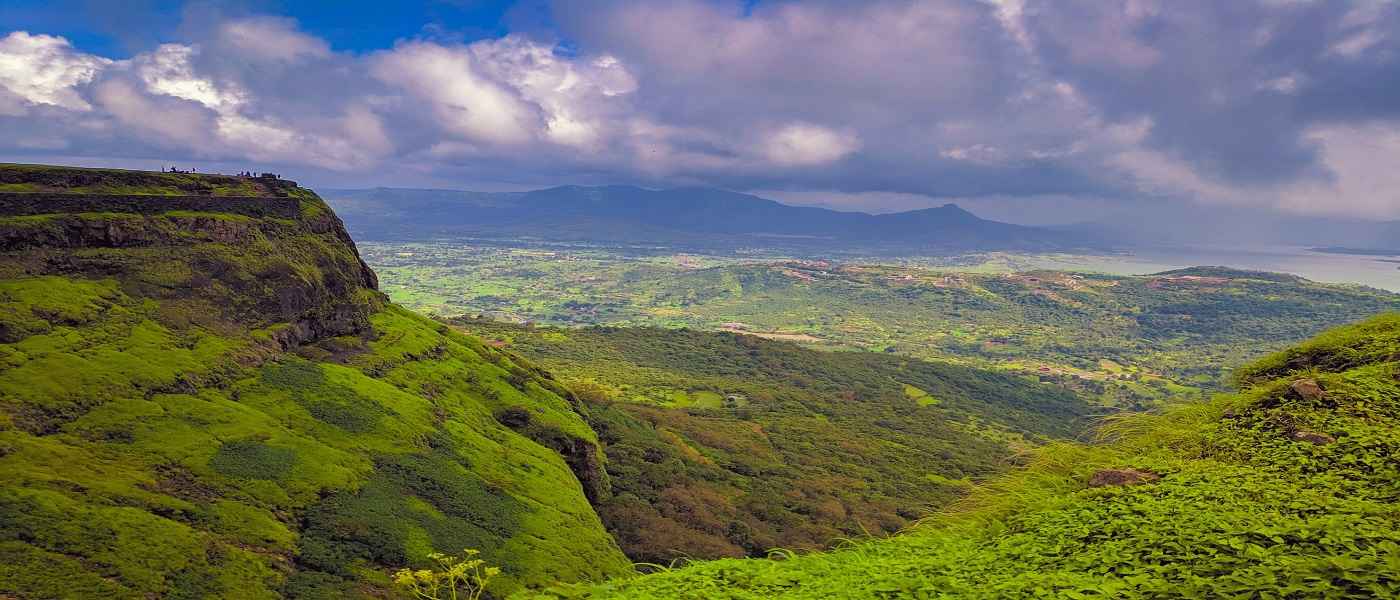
x=157, y=439
x=1165, y=338
x=727, y=445
x=1244, y=508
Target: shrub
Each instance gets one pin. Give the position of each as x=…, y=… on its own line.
x=253, y=459
x=455, y=578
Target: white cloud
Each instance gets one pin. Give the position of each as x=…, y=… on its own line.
x=805, y=144
x=166, y=123
x=1354, y=45
x=169, y=71
x=1288, y=84
x=365, y=129
x=565, y=92
x=508, y=91
x=1362, y=28
x=976, y=153
x=271, y=39
x=42, y=69
x=464, y=100
x=1364, y=180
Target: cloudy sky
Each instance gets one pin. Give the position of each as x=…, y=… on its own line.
x=1040, y=108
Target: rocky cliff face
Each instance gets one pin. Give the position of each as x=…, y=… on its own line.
x=204, y=395
x=259, y=260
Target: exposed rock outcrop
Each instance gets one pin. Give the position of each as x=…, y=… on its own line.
x=282, y=261
x=1308, y=389
x=55, y=203
x=1121, y=477
x=1312, y=437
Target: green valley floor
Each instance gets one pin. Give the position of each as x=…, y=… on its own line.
x=1129, y=341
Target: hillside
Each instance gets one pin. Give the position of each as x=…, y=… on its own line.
x=203, y=395
x=1286, y=489
x=1131, y=341
x=726, y=445
x=692, y=218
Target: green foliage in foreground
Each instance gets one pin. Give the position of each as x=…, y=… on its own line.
x=300, y=478
x=1267, y=493
x=728, y=445
x=454, y=577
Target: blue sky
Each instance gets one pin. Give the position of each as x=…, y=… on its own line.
x=1043, y=105
x=119, y=28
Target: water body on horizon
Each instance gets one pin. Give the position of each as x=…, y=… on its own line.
x=1381, y=272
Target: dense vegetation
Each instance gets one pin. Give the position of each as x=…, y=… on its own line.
x=1130, y=341
x=1286, y=489
x=727, y=445
x=209, y=405
x=201, y=399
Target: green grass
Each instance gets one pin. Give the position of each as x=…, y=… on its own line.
x=387, y=471
x=919, y=396
x=189, y=415
x=1243, y=507
x=25, y=178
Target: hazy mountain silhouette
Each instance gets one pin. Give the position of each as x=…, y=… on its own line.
x=695, y=217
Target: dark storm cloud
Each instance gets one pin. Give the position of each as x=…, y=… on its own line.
x=1230, y=86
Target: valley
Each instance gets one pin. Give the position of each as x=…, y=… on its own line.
x=1126, y=341
x=722, y=445
x=699, y=300
x=1284, y=488
x=209, y=390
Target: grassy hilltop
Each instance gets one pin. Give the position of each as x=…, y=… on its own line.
x=20, y=178
x=199, y=403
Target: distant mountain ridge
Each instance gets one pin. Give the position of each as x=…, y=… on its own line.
x=689, y=217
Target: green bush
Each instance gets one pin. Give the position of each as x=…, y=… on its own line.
x=253, y=459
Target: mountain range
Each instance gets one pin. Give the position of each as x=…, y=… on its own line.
x=697, y=218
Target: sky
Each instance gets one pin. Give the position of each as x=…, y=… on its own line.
x=1029, y=110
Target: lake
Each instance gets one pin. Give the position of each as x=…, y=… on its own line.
x=1375, y=271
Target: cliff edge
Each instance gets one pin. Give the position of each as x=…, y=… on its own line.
x=203, y=395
